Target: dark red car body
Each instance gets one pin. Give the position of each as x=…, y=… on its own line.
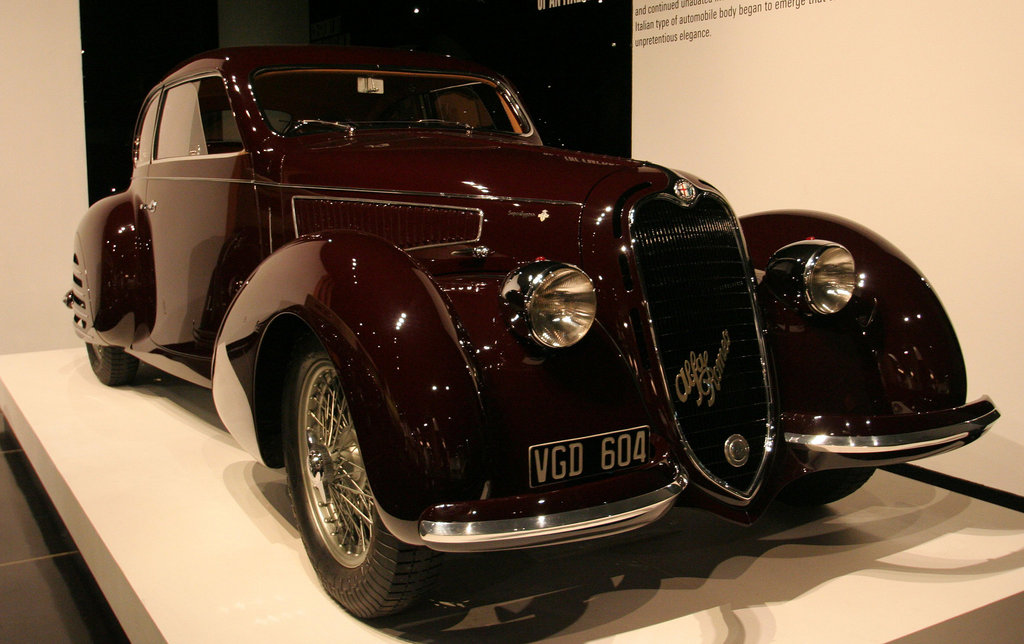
x=391, y=246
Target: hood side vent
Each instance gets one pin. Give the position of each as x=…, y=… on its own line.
x=406, y=225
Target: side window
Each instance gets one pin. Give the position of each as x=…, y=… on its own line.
x=143, y=145
x=196, y=120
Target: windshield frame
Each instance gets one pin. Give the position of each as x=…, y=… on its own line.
x=501, y=88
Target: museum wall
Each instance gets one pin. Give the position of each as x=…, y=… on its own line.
x=903, y=116
x=42, y=171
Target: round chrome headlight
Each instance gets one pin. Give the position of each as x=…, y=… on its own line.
x=830, y=279
x=550, y=302
x=814, y=275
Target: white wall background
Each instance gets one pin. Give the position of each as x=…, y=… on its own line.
x=43, y=190
x=43, y=184
x=906, y=116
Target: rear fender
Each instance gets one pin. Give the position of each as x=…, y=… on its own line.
x=892, y=350
x=117, y=276
x=393, y=336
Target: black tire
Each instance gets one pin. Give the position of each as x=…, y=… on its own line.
x=819, y=488
x=361, y=565
x=112, y=366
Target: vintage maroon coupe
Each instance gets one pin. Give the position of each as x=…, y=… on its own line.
x=456, y=339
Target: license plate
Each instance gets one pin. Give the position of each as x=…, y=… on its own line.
x=588, y=456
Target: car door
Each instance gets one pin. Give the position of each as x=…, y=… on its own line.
x=200, y=207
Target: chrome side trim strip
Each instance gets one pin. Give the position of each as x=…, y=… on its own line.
x=371, y=191
x=198, y=157
x=506, y=533
x=414, y=193
x=248, y=182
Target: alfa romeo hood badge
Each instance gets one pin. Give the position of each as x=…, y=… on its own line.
x=686, y=191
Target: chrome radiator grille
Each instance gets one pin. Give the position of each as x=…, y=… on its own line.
x=405, y=225
x=695, y=282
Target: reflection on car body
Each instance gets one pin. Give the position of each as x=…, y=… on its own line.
x=457, y=339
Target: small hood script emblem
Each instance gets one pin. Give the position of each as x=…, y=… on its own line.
x=541, y=216
x=703, y=377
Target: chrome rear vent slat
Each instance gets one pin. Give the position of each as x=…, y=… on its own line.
x=79, y=297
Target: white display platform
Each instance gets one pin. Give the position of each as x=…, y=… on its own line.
x=192, y=541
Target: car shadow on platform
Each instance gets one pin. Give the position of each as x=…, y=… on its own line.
x=693, y=564
x=690, y=566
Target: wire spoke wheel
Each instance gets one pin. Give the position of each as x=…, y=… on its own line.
x=337, y=492
x=361, y=565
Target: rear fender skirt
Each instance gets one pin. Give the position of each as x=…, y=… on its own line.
x=399, y=353
x=892, y=350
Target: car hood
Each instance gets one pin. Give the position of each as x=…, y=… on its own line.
x=454, y=164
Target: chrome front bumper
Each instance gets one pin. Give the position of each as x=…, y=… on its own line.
x=895, y=438
x=559, y=527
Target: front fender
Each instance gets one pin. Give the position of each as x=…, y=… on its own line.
x=892, y=350
x=393, y=336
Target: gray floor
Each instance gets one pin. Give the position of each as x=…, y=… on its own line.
x=46, y=591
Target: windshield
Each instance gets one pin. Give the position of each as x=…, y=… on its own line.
x=301, y=101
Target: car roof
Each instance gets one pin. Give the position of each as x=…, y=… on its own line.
x=241, y=61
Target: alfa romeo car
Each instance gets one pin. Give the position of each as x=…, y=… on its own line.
x=456, y=339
